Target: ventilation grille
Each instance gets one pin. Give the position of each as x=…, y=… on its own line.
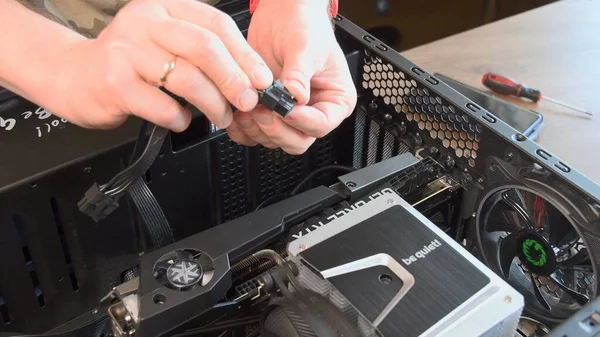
x=372, y=142
x=422, y=108
x=324, y=153
x=274, y=171
x=279, y=172
x=43, y=265
x=30, y=266
x=233, y=181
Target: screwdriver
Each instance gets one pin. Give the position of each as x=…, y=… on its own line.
x=506, y=86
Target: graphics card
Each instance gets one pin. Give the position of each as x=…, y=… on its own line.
x=404, y=275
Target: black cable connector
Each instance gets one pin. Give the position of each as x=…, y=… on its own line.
x=96, y=204
x=277, y=98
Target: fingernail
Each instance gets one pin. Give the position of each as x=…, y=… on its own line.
x=295, y=85
x=245, y=123
x=248, y=100
x=262, y=74
x=226, y=121
x=264, y=119
x=180, y=123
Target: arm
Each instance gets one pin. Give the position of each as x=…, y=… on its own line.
x=99, y=83
x=33, y=48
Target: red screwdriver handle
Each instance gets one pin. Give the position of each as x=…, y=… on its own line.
x=505, y=86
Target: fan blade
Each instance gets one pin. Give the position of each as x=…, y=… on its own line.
x=162, y=266
x=558, y=225
x=538, y=294
x=580, y=298
x=580, y=258
x=184, y=255
x=205, y=261
x=501, y=226
x=507, y=252
x=502, y=212
x=518, y=208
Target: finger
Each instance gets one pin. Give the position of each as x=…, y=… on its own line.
x=289, y=139
x=300, y=63
x=327, y=107
x=246, y=123
x=317, y=120
x=186, y=81
x=226, y=29
x=205, y=50
x=153, y=105
x=238, y=136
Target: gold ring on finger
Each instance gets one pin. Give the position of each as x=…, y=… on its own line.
x=168, y=68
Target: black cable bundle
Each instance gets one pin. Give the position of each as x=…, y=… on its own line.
x=101, y=200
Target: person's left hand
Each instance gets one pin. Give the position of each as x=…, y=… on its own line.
x=296, y=40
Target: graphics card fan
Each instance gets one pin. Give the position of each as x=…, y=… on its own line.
x=183, y=269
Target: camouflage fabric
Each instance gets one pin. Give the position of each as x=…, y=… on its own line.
x=88, y=17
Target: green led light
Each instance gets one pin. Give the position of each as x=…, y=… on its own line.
x=534, y=252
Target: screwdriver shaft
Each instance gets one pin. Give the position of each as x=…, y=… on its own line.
x=567, y=105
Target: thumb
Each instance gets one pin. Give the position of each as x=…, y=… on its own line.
x=299, y=66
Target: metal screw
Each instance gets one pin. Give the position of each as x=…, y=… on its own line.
x=387, y=117
x=390, y=201
x=520, y=137
x=480, y=180
x=351, y=184
x=474, y=215
x=466, y=170
x=373, y=105
x=510, y=156
x=467, y=179
x=508, y=299
x=302, y=247
x=95, y=311
x=87, y=170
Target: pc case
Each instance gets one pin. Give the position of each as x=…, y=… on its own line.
x=60, y=262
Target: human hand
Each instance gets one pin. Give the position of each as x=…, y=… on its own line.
x=118, y=74
x=296, y=40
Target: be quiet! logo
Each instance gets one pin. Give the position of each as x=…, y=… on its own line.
x=421, y=254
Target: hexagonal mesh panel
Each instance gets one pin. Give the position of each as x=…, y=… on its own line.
x=233, y=181
x=422, y=108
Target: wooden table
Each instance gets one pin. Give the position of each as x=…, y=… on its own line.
x=555, y=48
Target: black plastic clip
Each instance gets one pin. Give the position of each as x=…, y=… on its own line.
x=96, y=204
x=277, y=98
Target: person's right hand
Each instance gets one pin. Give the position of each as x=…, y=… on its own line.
x=118, y=74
